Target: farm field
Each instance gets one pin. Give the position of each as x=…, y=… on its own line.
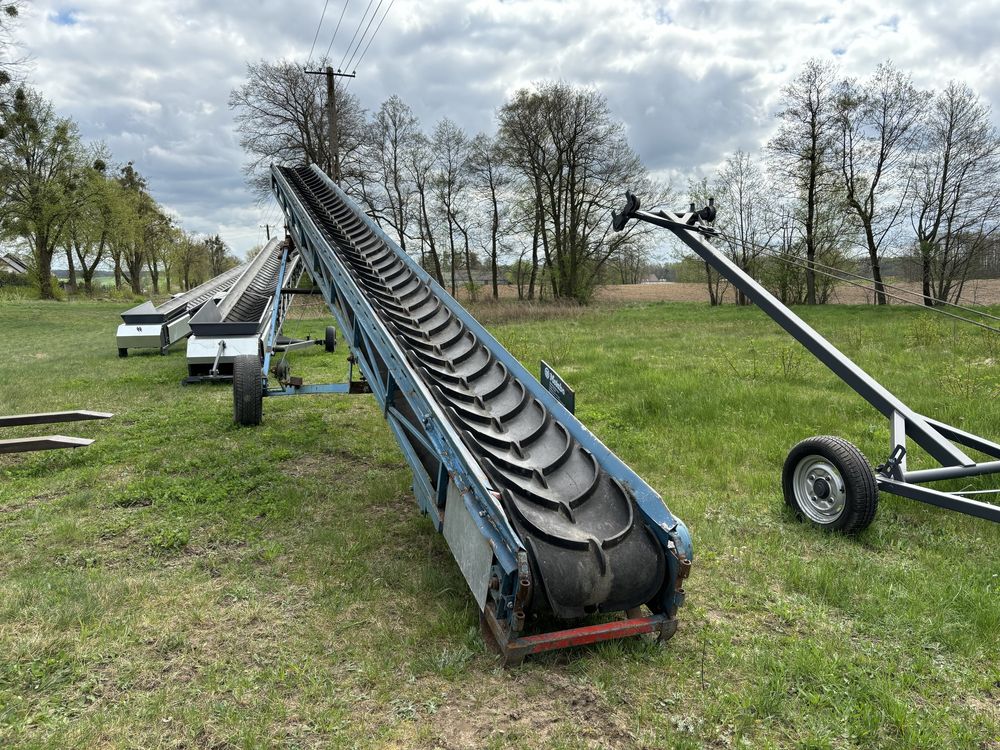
x=186, y=583
x=975, y=292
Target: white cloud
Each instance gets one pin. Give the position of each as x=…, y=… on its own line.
x=692, y=80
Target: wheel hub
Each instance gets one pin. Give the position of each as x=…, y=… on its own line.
x=819, y=489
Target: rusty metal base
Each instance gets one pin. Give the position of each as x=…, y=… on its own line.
x=512, y=651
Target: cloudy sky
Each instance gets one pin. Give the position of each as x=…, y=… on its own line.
x=693, y=81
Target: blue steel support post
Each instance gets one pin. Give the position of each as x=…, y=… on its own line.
x=275, y=307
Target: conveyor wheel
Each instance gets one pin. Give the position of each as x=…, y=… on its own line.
x=829, y=482
x=330, y=342
x=248, y=390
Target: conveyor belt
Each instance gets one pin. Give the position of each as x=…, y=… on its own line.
x=195, y=298
x=585, y=539
x=187, y=303
x=250, y=306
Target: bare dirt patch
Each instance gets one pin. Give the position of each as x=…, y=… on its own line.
x=535, y=711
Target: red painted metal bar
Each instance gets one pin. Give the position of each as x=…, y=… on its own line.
x=536, y=644
x=514, y=650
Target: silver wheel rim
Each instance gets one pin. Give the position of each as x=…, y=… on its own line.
x=819, y=489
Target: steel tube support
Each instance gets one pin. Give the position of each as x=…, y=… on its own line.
x=947, y=500
x=952, y=472
x=966, y=438
x=922, y=432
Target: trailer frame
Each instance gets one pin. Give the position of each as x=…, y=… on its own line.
x=942, y=441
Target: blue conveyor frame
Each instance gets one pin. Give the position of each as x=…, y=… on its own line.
x=370, y=341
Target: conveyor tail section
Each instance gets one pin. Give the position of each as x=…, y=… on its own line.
x=149, y=326
x=590, y=547
x=239, y=323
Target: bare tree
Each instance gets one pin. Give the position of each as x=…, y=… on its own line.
x=574, y=158
x=877, y=127
x=391, y=135
x=700, y=192
x=450, y=146
x=746, y=218
x=956, y=188
x=802, y=149
x=280, y=115
x=491, y=176
x=421, y=169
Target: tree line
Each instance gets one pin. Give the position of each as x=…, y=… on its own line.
x=861, y=170
x=531, y=201
x=858, y=170
x=63, y=200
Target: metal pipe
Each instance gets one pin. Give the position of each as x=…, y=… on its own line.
x=952, y=472
x=218, y=356
x=926, y=436
x=947, y=500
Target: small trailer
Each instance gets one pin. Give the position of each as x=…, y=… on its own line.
x=249, y=320
x=826, y=479
x=149, y=326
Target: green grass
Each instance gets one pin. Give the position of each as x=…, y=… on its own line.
x=186, y=583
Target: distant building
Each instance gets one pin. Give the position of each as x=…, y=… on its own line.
x=11, y=264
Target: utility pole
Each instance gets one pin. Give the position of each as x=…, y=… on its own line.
x=267, y=228
x=331, y=117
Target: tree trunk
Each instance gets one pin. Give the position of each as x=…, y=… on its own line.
x=534, y=256
x=713, y=298
x=71, y=267
x=135, y=274
x=494, y=229
x=43, y=262
x=928, y=289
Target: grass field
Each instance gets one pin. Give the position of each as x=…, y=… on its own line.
x=185, y=583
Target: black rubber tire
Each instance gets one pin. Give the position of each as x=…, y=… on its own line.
x=248, y=390
x=122, y=352
x=330, y=341
x=861, y=500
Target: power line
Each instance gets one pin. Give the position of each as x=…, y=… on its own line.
x=803, y=264
x=370, y=22
x=372, y=38
x=318, y=27
x=334, y=37
x=885, y=285
x=351, y=43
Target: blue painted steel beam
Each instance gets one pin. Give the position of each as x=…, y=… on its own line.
x=669, y=529
x=369, y=336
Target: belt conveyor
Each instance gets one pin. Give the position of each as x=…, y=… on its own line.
x=149, y=326
x=541, y=517
x=240, y=322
